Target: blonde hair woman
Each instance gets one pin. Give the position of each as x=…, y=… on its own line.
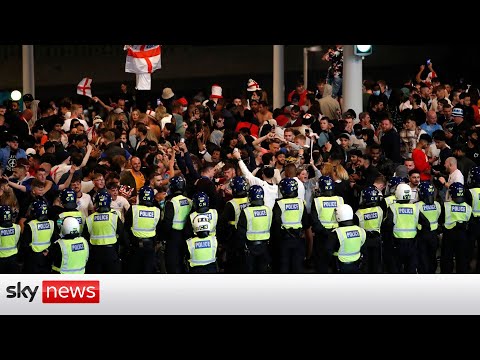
x=340, y=176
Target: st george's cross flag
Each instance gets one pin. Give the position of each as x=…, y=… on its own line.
x=84, y=87
x=143, y=60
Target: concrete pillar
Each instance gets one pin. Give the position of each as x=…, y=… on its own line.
x=278, y=76
x=352, y=80
x=305, y=68
x=28, y=70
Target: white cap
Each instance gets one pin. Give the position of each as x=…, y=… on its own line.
x=30, y=151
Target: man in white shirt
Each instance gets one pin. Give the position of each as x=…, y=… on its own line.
x=455, y=175
x=270, y=190
x=84, y=201
x=76, y=113
x=119, y=204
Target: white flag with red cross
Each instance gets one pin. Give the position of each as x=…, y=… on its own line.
x=142, y=59
x=84, y=87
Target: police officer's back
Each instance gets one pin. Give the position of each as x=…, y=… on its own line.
x=177, y=210
x=103, y=228
x=323, y=221
x=254, y=231
x=202, y=248
x=36, y=238
x=369, y=217
x=70, y=253
x=348, y=240
x=9, y=238
x=427, y=241
x=68, y=198
x=227, y=226
x=400, y=227
x=142, y=223
x=289, y=218
x=201, y=205
x=457, y=213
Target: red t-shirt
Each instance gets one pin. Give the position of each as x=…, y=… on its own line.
x=253, y=128
x=421, y=164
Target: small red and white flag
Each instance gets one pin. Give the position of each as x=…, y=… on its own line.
x=84, y=87
x=142, y=59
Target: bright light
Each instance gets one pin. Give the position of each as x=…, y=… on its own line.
x=314, y=48
x=364, y=48
x=16, y=95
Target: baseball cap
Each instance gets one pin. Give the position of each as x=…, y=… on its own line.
x=457, y=112
x=13, y=138
x=30, y=151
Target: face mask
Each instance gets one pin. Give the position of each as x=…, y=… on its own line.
x=376, y=92
x=184, y=108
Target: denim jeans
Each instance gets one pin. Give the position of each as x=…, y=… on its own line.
x=336, y=83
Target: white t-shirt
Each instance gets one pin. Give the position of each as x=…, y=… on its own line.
x=84, y=204
x=87, y=186
x=120, y=205
x=66, y=124
x=456, y=176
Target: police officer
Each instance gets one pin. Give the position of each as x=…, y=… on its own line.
x=348, y=240
x=369, y=217
x=68, y=197
x=177, y=209
x=227, y=226
x=427, y=241
x=390, y=191
x=400, y=228
x=9, y=237
x=254, y=231
x=202, y=248
x=289, y=217
x=144, y=228
x=323, y=221
x=103, y=228
x=473, y=197
x=69, y=254
x=201, y=205
x=457, y=213
x=36, y=239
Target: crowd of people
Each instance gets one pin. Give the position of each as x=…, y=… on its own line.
x=209, y=184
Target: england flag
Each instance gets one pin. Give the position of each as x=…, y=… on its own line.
x=84, y=87
x=142, y=59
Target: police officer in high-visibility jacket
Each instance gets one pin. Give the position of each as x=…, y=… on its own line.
x=9, y=238
x=427, y=241
x=289, y=220
x=254, y=231
x=36, y=239
x=202, y=248
x=387, y=241
x=142, y=223
x=323, y=221
x=348, y=240
x=369, y=217
x=472, y=196
x=201, y=205
x=457, y=213
x=68, y=198
x=227, y=226
x=69, y=254
x=105, y=232
x=177, y=210
x=400, y=227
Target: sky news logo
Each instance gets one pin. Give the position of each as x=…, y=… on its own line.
x=58, y=292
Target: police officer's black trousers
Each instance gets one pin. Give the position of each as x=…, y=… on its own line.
x=205, y=269
x=372, y=253
x=454, y=243
x=103, y=259
x=175, y=252
x=389, y=265
x=473, y=234
x=257, y=258
x=349, y=268
x=427, y=245
x=9, y=265
x=291, y=253
x=142, y=260
x=321, y=255
x=405, y=255
x=36, y=263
